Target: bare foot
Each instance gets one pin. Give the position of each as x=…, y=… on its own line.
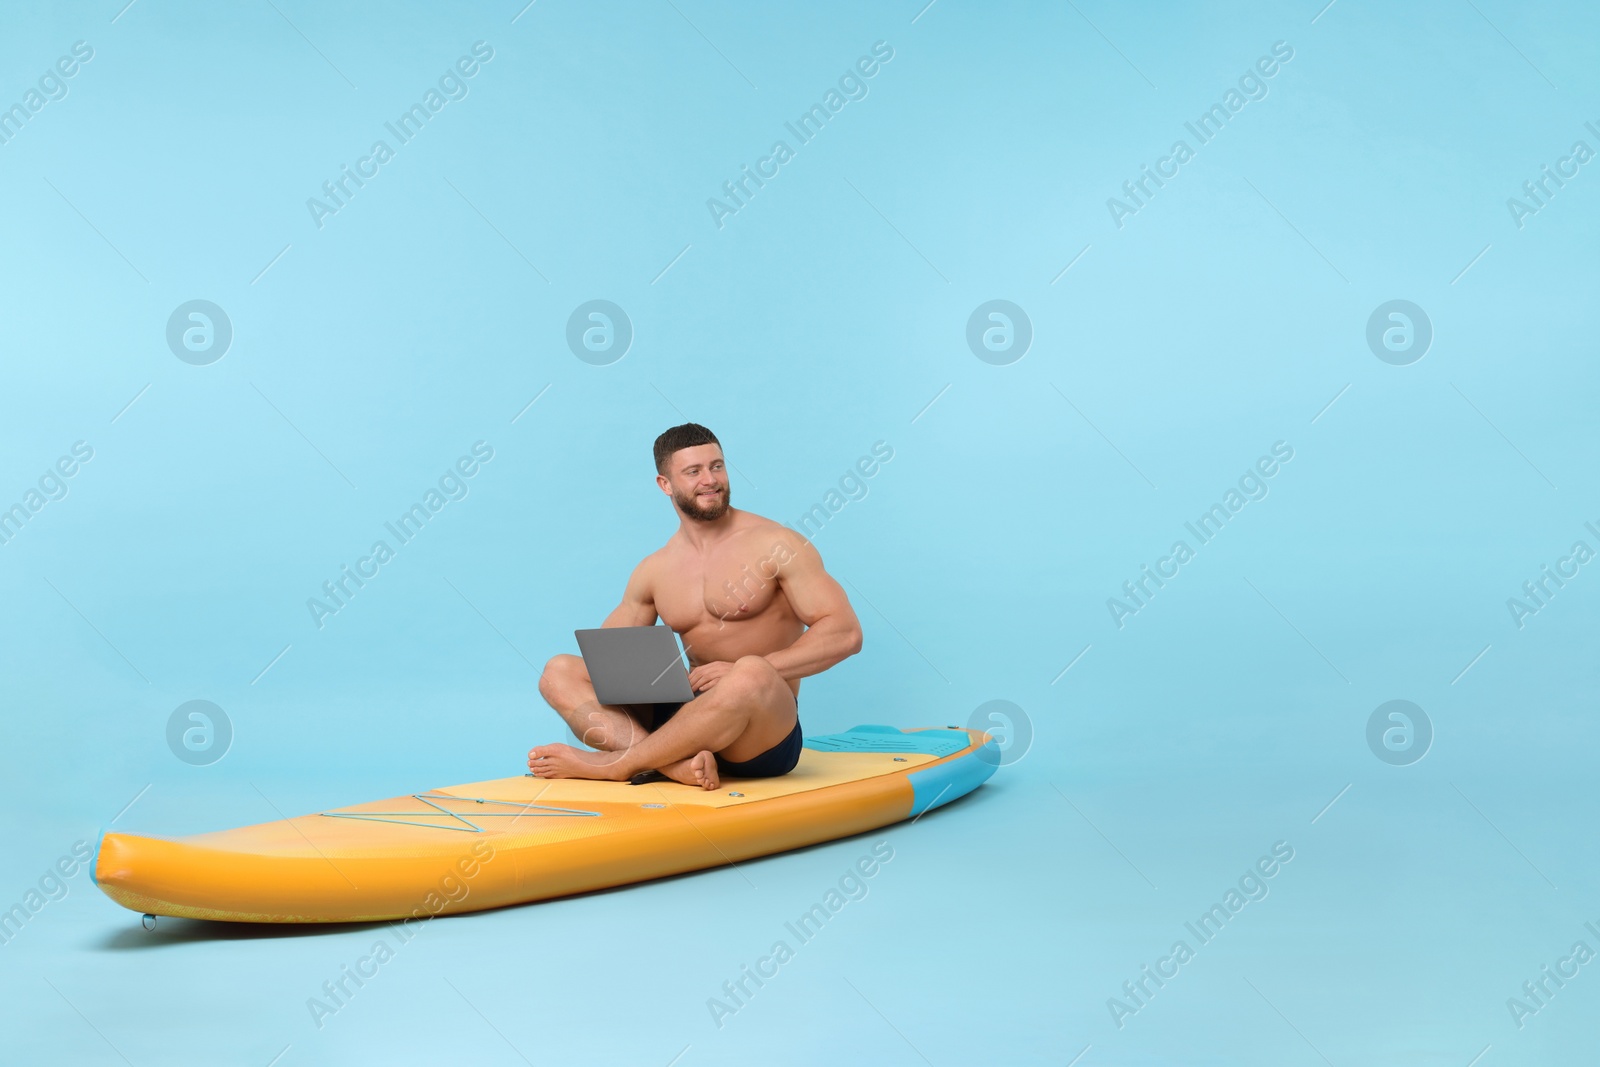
x=564, y=761
x=699, y=769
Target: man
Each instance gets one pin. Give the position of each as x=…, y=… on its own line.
x=756, y=612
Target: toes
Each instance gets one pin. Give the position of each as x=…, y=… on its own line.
x=705, y=770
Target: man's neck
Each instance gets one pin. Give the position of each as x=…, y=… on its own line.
x=702, y=534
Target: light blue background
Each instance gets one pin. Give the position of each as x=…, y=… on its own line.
x=823, y=317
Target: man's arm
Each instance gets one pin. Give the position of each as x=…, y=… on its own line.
x=833, y=632
x=638, y=607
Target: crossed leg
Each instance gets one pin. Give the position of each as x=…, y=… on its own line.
x=567, y=688
x=748, y=711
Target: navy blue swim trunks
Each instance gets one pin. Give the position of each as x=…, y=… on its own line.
x=778, y=760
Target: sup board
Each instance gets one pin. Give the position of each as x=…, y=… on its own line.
x=516, y=840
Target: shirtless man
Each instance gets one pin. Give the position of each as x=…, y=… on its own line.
x=756, y=612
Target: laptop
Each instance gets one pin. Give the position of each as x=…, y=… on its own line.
x=635, y=665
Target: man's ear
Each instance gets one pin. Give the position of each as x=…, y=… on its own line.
x=664, y=485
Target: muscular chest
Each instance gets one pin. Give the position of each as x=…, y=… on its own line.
x=719, y=587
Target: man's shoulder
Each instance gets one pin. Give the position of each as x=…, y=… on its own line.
x=760, y=528
x=652, y=564
x=660, y=555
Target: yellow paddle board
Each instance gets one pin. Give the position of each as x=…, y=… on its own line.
x=515, y=840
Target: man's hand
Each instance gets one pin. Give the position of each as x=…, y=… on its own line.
x=707, y=675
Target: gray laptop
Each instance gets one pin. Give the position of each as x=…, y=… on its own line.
x=635, y=665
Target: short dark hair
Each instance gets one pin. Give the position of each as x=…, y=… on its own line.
x=688, y=435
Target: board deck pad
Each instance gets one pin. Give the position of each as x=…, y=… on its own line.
x=517, y=840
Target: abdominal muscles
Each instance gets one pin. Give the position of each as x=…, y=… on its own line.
x=716, y=629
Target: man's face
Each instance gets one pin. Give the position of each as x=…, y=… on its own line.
x=698, y=481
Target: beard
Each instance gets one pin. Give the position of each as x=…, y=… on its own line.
x=690, y=507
